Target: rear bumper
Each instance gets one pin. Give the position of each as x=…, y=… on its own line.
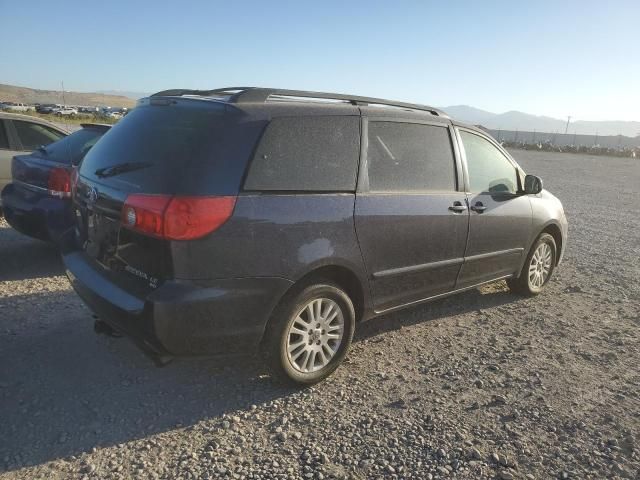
x=181, y=318
x=36, y=214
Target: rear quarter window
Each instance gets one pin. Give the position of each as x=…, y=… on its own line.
x=306, y=154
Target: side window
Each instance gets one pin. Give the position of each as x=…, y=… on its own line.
x=410, y=157
x=489, y=169
x=4, y=140
x=34, y=135
x=307, y=153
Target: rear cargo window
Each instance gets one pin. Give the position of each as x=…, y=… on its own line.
x=307, y=154
x=74, y=147
x=186, y=147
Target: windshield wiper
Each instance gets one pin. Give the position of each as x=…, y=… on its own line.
x=119, y=168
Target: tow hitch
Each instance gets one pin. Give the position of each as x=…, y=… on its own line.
x=103, y=328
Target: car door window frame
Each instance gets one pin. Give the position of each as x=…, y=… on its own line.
x=363, y=170
x=518, y=170
x=17, y=141
x=4, y=126
x=14, y=141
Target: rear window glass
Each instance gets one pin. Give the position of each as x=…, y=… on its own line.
x=74, y=147
x=188, y=147
x=410, y=157
x=307, y=154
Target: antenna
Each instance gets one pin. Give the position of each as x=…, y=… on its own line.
x=64, y=104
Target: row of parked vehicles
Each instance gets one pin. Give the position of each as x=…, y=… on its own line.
x=64, y=110
x=238, y=220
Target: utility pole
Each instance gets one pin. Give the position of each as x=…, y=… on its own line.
x=566, y=128
x=64, y=103
x=534, y=136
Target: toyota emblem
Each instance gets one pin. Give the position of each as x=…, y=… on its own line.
x=92, y=195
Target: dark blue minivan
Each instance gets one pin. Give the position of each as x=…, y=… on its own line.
x=238, y=220
x=37, y=202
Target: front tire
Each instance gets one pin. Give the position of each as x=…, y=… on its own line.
x=309, y=334
x=537, y=269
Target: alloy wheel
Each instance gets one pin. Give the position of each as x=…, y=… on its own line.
x=315, y=335
x=540, y=265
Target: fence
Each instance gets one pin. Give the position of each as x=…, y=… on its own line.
x=563, y=140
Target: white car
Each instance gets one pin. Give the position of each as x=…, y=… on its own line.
x=17, y=107
x=65, y=111
x=20, y=134
x=117, y=115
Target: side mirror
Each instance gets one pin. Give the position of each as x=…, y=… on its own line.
x=532, y=184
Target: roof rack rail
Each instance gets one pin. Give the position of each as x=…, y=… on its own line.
x=259, y=95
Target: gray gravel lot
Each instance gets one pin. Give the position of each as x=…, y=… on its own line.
x=481, y=385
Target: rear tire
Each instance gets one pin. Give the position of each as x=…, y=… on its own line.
x=309, y=334
x=537, y=269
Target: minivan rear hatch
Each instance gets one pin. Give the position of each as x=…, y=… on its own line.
x=165, y=148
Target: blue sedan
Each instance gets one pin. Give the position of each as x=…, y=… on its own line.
x=37, y=202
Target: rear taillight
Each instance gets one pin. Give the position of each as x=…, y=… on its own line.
x=59, y=183
x=174, y=217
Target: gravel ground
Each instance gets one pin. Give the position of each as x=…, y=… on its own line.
x=481, y=385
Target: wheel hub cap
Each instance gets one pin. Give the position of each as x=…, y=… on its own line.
x=315, y=336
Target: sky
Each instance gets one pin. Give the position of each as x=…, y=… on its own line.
x=578, y=58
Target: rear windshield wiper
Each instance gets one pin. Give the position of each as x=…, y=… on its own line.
x=119, y=168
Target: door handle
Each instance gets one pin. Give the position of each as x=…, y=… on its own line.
x=458, y=207
x=478, y=207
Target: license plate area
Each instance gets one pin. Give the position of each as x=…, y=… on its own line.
x=101, y=235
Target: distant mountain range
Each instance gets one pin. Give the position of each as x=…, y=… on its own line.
x=131, y=95
x=515, y=120
x=11, y=93
x=512, y=120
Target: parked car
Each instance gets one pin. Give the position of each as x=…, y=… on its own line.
x=65, y=111
x=37, y=202
x=112, y=114
x=16, y=107
x=47, y=108
x=93, y=110
x=233, y=220
x=20, y=134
